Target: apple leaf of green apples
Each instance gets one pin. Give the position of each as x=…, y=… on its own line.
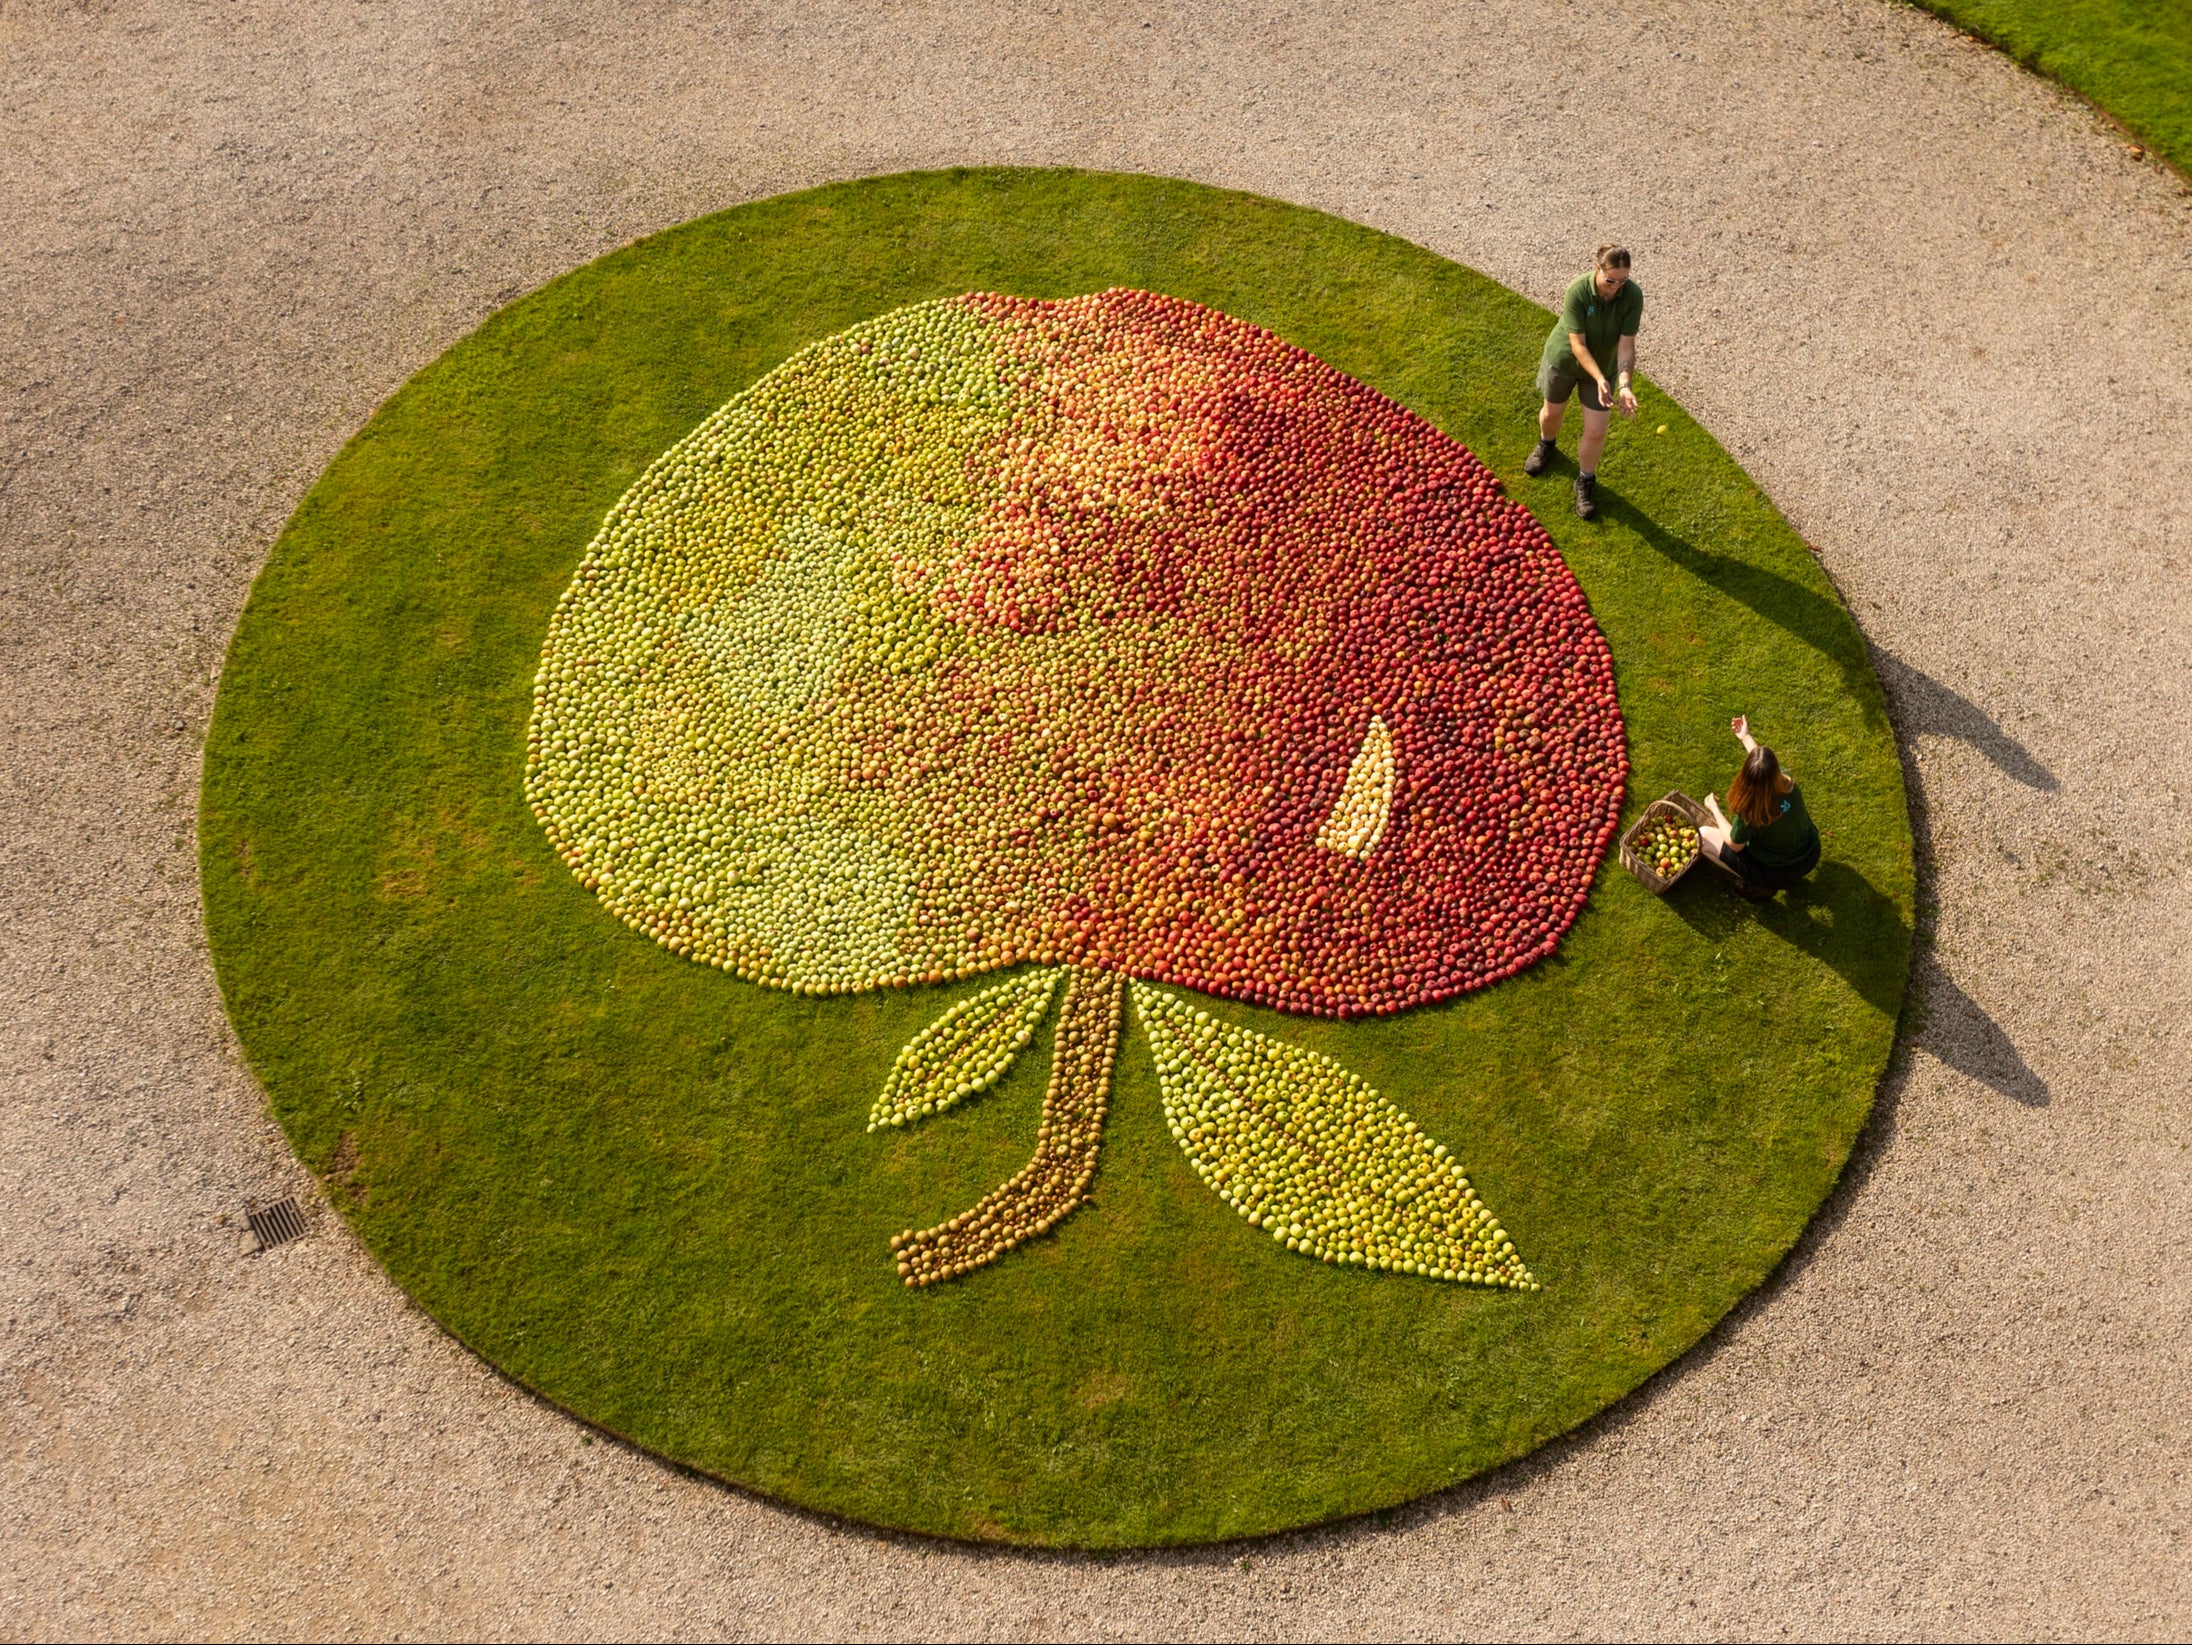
x=966, y=1050
x=1310, y=1154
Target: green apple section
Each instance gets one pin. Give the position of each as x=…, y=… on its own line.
x=676, y=757
x=647, y=1189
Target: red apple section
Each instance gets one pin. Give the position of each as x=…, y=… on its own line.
x=1209, y=559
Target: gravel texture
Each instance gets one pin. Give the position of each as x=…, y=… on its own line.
x=1932, y=303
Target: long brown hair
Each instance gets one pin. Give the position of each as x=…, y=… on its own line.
x=1612, y=256
x=1756, y=791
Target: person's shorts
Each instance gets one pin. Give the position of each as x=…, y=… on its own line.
x=1556, y=386
x=1763, y=880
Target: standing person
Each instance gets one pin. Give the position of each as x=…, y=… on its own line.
x=1772, y=843
x=1591, y=347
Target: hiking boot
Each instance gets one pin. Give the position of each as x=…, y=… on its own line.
x=1539, y=460
x=1587, y=496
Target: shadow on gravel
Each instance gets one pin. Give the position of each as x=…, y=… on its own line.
x=1926, y=707
x=1923, y=705
x=1838, y=913
x=1954, y=1027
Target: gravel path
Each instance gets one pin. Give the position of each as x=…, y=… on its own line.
x=1935, y=308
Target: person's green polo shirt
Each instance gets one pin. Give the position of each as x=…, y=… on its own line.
x=1784, y=842
x=1603, y=322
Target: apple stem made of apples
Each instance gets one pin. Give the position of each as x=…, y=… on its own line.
x=1041, y=1194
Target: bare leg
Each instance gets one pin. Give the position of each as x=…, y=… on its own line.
x=1054, y=1181
x=1594, y=440
x=1714, y=844
x=1549, y=419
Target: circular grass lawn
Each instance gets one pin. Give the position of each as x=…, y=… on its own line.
x=647, y=1190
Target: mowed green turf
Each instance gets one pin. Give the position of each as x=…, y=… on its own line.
x=646, y=1189
x=2132, y=57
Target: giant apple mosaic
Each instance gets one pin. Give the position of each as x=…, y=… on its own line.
x=1115, y=637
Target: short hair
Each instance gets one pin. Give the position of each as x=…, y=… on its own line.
x=1611, y=256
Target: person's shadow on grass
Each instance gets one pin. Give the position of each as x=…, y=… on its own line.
x=1840, y=918
x=1818, y=620
x=1923, y=705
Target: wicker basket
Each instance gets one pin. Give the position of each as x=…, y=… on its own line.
x=1677, y=804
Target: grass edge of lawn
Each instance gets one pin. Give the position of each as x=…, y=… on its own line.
x=2171, y=153
x=486, y=1349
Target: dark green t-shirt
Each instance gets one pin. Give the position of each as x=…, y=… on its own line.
x=1603, y=322
x=1784, y=842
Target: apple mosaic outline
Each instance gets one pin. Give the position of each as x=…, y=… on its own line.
x=1116, y=635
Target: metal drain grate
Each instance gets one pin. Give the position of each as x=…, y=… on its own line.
x=277, y=1224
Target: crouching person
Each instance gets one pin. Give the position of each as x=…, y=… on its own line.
x=1771, y=843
